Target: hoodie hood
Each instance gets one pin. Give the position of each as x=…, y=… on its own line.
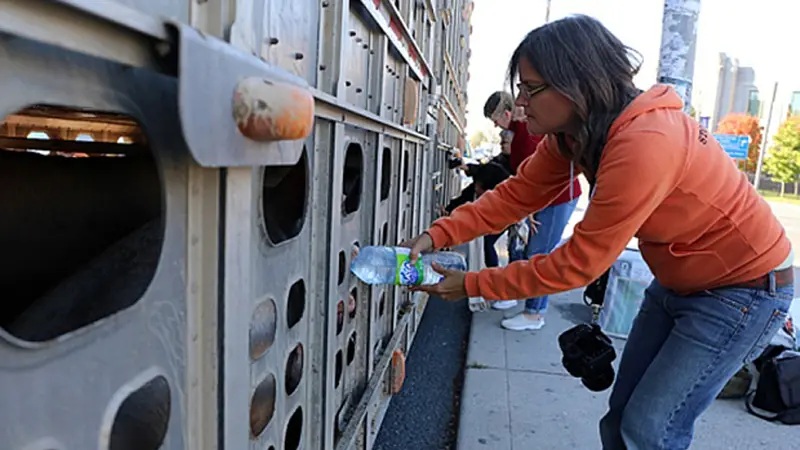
x=660, y=96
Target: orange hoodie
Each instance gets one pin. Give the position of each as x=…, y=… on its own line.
x=663, y=179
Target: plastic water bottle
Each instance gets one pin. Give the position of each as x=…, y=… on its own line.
x=390, y=265
x=519, y=235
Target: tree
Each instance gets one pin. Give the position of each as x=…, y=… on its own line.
x=783, y=161
x=477, y=139
x=741, y=125
x=494, y=137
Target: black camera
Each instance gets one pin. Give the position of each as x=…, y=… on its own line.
x=588, y=354
x=454, y=163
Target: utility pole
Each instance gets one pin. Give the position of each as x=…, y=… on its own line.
x=547, y=13
x=678, y=47
x=763, y=149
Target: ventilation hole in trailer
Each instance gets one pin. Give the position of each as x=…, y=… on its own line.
x=294, y=431
x=262, y=405
x=342, y=267
x=263, y=325
x=338, y=374
x=351, y=348
x=352, y=181
x=284, y=198
x=386, y=173
x=382, y=304
x=271, y=447
x=296, y=303
x=339, y=317
x=338, y=424
x=385, y=233
x=405, y=170
x=82, y=228
x=352, y=303
x=143, y=417
x=294, y=369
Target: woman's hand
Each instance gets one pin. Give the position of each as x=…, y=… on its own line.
x=534, y=224
x=452, y=286
x=419, y=244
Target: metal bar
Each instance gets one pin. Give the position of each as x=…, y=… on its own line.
x=407, y=35
x=449, y=111
x=328, y=107
x=374, y=386
x=56, y=145
x=397, y=42
x=451, y=72
x=202, y=307
x=763, y=149
x=104, y=29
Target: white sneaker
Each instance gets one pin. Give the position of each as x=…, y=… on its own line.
x=522, y=322
x=504, y=304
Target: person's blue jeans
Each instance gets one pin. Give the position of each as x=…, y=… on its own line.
x=489, y=251
x=552, y=221
x=680, y=353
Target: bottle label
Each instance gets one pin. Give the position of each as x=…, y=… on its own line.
x=406, y=273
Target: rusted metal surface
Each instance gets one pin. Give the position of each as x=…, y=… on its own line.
x=398, y=370
x=272, y=111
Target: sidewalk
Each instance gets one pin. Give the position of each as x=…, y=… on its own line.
x=517, y=395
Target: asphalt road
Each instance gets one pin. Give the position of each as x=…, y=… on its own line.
x=423, y=416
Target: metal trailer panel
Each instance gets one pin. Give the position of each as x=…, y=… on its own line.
x=239, y=287
x=98, y=368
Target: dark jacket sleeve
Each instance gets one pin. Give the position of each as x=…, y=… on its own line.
x=504, y=161
x=467, y=195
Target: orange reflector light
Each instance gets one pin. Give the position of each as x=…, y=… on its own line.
x=398, y=370
x=272, y=111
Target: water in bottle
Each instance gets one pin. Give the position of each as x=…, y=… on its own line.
x=390, y=265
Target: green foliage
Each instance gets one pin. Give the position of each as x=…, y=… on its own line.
x=783, y=161
x=477, y=139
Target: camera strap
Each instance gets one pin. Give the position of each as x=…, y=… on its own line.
x=595, y=292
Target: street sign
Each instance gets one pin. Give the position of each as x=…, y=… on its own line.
x=735, y=146
x=704, y=120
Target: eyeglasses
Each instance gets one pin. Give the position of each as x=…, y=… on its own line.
x=527, y=91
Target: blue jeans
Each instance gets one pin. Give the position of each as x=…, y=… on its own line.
x=552, y=221
x=680, y=353
x=489, y=251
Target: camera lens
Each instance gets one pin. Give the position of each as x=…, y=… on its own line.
x=600, y=381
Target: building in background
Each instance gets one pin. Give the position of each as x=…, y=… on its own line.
x=794, y=104
x=736, y=90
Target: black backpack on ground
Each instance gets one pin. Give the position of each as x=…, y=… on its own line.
x=777, y=393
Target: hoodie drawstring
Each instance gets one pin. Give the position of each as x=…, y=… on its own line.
x=571, y=180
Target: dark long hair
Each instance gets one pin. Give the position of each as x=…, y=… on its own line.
x=583, y=61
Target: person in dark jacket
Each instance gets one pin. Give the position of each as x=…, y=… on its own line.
x=485, y=177
x=546, y=226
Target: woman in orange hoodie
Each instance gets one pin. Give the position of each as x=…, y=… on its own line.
x=721, y=260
